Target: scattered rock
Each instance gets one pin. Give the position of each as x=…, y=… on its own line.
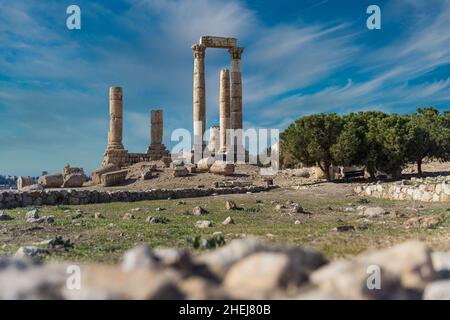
x=204, y=164
x=222, y=168
x=128, y=216
x=230, y=205
x=180, y=171
x=30, y=252
x=228, y=220
x=136, y=209
x=372, y=212
x=296, y=208
x=344, y=228
x=147, y=175
x=138, y=258
x=32, y=214
x=279, y=207
x=159, y=219
x=202, y=224
x=198, y=211
x=438, y=290
x=422, y=222
x=99, y=215
x=160, y=209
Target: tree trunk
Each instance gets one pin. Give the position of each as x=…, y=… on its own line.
x=419, y=167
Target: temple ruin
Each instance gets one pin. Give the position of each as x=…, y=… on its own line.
x=230, y=105
x=230, y=95
x=115, y=152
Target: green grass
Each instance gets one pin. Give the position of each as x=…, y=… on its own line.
x=105, y=240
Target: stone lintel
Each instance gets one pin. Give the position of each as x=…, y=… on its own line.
x=218, y=42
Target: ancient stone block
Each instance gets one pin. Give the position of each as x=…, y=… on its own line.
x=97, y=174
x=114, y=178
x=51, y=180
x=74, y=180
x=23, y=182
x=218, y=42
x=222, y=168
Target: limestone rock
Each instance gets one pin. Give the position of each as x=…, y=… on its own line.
x=405, y=270
x=372, y=212
x=261, y=274
x=422, y=222
x=139, y=257
x=74, y=180
x=98, y=215
x=438, y=290
x=222, y=259
x=202, y=224
x=198, y=211
x=33, y=187
x=222, y=168
x=147, y=175
x=23, y=182
x=228, y=220
x=128, y=216
x=51, y=180
x=205, y=164
x=180, y=171
x=230, y=205
x=29, y=252
x=97, y=174
x=114, y=178
x=32, y=214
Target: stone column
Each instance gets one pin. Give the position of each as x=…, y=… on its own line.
x=157, y=127
x=236, y=88
x=214, y=137
x=199, y=100
x=115, y=118
x=157, y=150
x=224, y=108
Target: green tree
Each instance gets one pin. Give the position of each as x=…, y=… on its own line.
x=310, y=139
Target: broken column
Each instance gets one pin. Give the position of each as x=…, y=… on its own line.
x=157, y=149
x=214, y=136
x=199, y=101
x=115, y=152
x=224, y=108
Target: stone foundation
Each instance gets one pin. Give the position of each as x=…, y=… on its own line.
x=113, y=178
x=14, y=198
x=427, y=190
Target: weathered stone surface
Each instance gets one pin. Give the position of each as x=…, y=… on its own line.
x=139, y=257
x=204, y=164
x=23, y=182
x=405, y=270
x=230, y=205
x=30, y=252
x=114, y=178
x=261, y=274
x=228, y=220
x=198, y=211
x=222, y=259
x=97, y=173
x=218, y=42
x=439, y=290
x=180, y=171
x=70, y=170
x=74, y=180
x=372, y=212
x=202, y=224
x=51, y=180
x=422, y=222
x=222, y=168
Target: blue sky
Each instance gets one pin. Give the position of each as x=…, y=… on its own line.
x=300, y=57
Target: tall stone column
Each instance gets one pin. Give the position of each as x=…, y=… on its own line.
x=236, y=87
x=224, y=108
x=199, y=99
x=157, y=149
x=214, y=137
x=115, y=118
x=239, y=153
x=115, y=152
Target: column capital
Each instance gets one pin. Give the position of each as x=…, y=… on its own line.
x=235, y=53
x=199, y=51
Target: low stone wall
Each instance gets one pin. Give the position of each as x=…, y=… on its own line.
x=427, y=190
x=13, y=198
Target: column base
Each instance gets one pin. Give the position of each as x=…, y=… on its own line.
x=118, y=157
x=157, y=151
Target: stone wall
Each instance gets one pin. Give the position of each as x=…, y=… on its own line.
x=13, y=198
x=433, y=189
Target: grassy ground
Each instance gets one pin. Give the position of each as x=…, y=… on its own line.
x=105, y=240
